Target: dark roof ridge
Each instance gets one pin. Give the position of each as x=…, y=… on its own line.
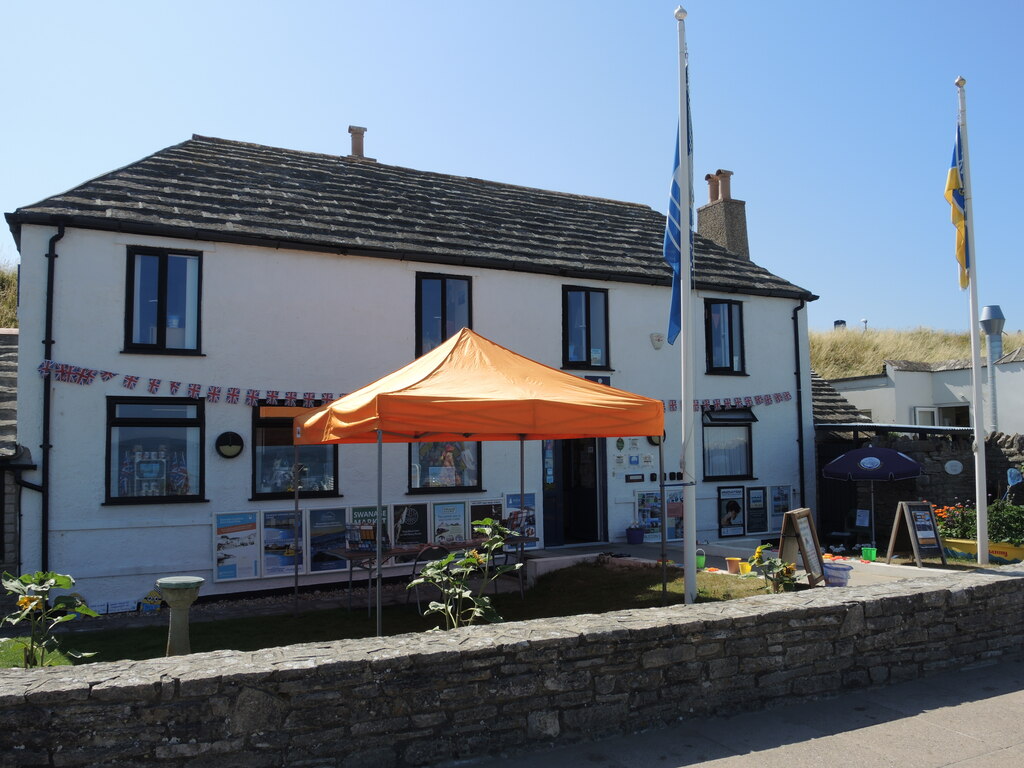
x=489, y=182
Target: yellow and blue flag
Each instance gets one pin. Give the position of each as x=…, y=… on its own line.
x=958, y=209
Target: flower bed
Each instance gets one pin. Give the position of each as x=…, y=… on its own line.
x=958, y=526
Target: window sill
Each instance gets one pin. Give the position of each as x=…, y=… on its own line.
x=581, y=367
x=721, y=372
x=445, y=489
x=150, y=500
x=174, y=352
x=306, y=495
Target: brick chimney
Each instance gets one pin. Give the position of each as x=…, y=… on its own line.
x=357, y=143
x=724, y=220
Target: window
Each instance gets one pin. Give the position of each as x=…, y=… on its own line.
x=727, y=444
x=584, y=328
x=723, y=335
x=162, y=301
x=443, y=308
x=273, y=457
x=927, y=417
x=154, y=450
x=444, y=467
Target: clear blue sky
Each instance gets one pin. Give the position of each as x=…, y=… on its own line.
x=836, y=117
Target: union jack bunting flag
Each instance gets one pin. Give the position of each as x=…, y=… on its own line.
x=716, y=404
x=130, y=382
x=290, y=398
x=212, y=394
x=778, y=397
x=748, y=401
x=696, y=405
x=673, y=405
x=705, y=404
x=759, y=399
x=232, y=395
x=153, y=386
x=125, y=475
x=309, y=399
x=195, y=391
x=175, y=386
x=252, y=397
x=107, y=375
x=88, y=376
x=787, y=396
x=767, y=399
x=272, y=395
x=327, y=397
x=44, y=368
x=59, y=371
x=74, y=374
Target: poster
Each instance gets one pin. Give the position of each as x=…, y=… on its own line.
x=363, y=532
x=730, y=511
x=450, y=522
x=674, y=508
x=481, y=510
x=281, y=548
x=410, y=529
x=327, y=542
x=781, y=501
x=757, y=511
x=648, y=511
x=236, y=539
x=522, y=518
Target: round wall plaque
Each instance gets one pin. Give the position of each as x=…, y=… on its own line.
x=954, y=467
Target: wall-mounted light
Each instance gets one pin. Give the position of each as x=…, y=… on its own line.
x=229, y=444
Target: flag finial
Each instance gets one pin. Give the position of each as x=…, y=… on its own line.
x=680, y=13
x=960, y=82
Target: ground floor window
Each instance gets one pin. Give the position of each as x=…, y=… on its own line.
x=727, y=444
x=154, y=450
x=274, y=458
x=445, y=466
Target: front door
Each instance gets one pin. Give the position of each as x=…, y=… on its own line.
x=574, y=492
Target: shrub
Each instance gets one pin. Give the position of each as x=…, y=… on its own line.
x=1005, y=522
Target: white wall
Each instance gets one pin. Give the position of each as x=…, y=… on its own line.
x=292, y=320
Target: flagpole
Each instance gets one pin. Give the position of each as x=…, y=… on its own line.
x=980, y=480
x=684, y=179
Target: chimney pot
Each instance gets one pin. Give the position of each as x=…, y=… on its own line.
x=712, y=181
x=724, y=220
x=724, y=184
x=357, y=141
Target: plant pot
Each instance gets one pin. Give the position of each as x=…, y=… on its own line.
x=634, y=535
x=999, y=552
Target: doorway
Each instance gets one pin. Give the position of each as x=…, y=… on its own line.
x=575, y=510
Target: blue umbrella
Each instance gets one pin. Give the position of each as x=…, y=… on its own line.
x=872, y=464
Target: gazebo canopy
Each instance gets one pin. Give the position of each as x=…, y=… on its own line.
x=470, y=388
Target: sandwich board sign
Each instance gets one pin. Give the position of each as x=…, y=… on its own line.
x=798, y=535
x=916, y=521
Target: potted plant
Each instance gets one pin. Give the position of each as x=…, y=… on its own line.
x=635, y=533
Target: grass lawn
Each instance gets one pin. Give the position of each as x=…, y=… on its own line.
x=583, y=588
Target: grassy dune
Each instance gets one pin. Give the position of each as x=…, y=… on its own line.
x=8, y=297
x=837, y=354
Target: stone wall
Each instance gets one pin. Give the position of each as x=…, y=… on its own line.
x=420, y=699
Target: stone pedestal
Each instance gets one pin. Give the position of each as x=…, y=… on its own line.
x=179, y=593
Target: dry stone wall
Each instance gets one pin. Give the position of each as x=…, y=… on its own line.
x=421, y=699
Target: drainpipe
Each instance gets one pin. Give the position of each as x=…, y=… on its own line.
x=44, y=517
x=799, y=402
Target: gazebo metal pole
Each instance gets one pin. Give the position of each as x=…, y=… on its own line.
x=664, y=523
x=296, y=469
x=522, y=482
x=380, y=525
x=872, y=513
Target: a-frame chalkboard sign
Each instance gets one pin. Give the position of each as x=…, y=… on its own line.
x=915, y=521
x=798, y=535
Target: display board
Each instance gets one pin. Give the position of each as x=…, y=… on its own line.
x=236, y=541
x=327, y=531
x=410, y=528
x=800, y=537
x=781, y=503
x=282, y=543
x=730, y=511
x=522, y=517
x=757, y=511
x=449, y=522
x=915, y=522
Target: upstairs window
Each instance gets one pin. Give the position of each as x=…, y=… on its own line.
x=723, y=335
x=162, y=301
x=584, y=328
x=443, y=308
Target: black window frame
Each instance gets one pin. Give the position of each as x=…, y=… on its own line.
x=577, y=364
x=728, y=370
x=443, y=277
x=113, y=420
x=265, y=422
x=426, y=490
x=160, y=347
x=733, y=417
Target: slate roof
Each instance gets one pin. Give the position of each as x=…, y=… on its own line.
x=215, y=189
x=919, y=367
x=1016, y=356
x=830, y=407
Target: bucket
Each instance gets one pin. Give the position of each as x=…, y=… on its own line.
x=837, y=574
x=701, y=559
x=869, y=553
x=733, y=564
x=744, y=568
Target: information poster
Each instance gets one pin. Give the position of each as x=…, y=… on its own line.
x=410, y=528
x=730, y=511
x=327, y=540
x=482, y=510
x=522, y=518
x=236, y=546
x=281, y=548
x=648, y=511
x=363, y=535
x=450, y=522
x=782, y=502
x=674, y=509
x=757, y=511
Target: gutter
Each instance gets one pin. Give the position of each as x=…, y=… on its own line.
x=44, y=518
x=798, y=373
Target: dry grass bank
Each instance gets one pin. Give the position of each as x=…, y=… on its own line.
x=837, y=354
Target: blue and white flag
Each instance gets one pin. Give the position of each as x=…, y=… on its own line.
x=674, y=241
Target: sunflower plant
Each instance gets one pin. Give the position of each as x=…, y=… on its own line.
x=462, y=577
x=777, y=573
x=34, y=605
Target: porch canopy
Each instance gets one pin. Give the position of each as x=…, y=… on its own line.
x=470, y=388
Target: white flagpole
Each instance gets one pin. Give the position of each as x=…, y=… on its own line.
x=980, y=480
x=684, y=179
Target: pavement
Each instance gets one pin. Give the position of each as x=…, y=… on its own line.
x=968, y=718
